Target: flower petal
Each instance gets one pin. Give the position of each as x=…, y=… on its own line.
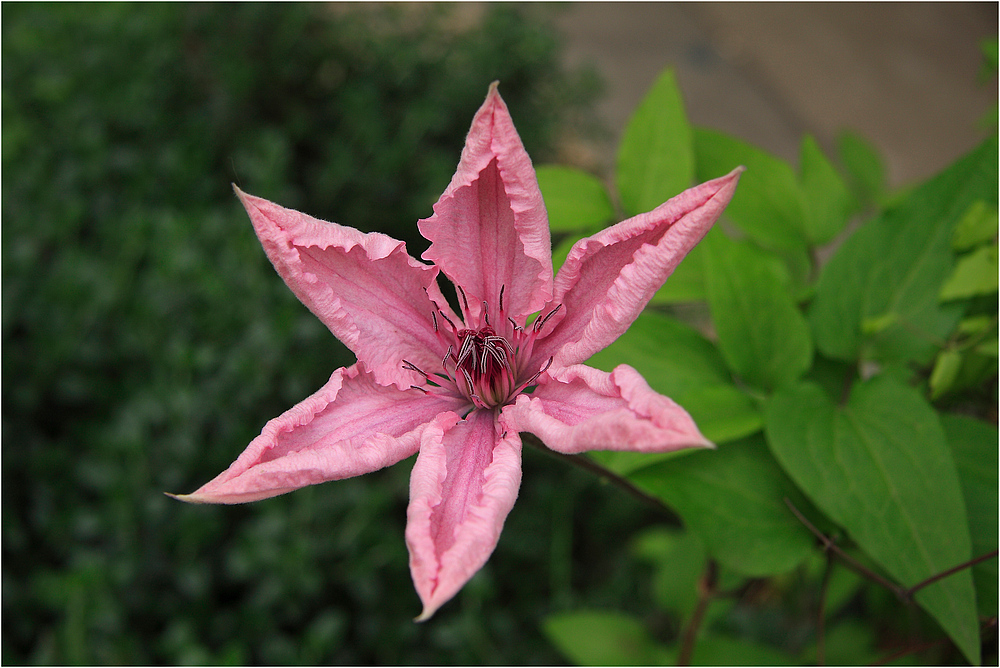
x=373, y=296
x=609, y=278
x=463, y=485
x=489, y=229
x=580, y=408
x=351, y=426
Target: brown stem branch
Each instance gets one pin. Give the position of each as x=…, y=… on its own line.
x=706, y=591
x=908, y=593
x=821, y=613
x=590, y=465
x=905, y=594
x=829, y=545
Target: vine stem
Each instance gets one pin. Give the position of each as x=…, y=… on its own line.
x=706, y=592
x=904, y=593
x=590, y=465
x=821, y=612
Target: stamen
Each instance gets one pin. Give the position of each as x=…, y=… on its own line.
x=531, y=381
x=545, y=368
x=541, y=323
x=486, y=313
x=467, y=346
x=501, y=297
x=448, y=320
x=465, y=302
x=410, y=366
x=434, y=318
x=414, y=387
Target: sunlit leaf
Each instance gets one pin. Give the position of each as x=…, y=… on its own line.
x=864, y=166
x=975, y=273
x=828, y=202
x=575, y=200
x=762, y=334
x=656, y=158
x=687, y=283
x=892, y=269
x=978, y=225
x=945, y=371
x=768, y=204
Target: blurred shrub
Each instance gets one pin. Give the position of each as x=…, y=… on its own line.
x=146, y=339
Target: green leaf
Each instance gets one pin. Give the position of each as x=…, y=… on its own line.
x=717, y=650
x=977, y=226
x=988, y=348
x=828, y=202
x=673, y=357
x=849, y=642
x=655, y=159
x=723, y=413
x=975, y=273
x=864, y=166
x=762, y=335
x=989, y=49
x=946, y=368
x=768, y=204
x=881, y=469
x=561, y=251
x=575, y=200
x=894, y=266
x=733, y=499
x=974, y=447
x=603, y=638
x=677, y=361
x=687, y=283
x=679, y=561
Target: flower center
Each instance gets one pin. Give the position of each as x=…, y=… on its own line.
x=484, y=367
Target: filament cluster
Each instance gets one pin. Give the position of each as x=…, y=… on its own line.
x=484, y=365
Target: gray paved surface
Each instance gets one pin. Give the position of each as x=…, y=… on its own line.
x=904, y=75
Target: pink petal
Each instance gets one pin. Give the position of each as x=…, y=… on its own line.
x=579, y=408
x=609, y=278
x=373, y=296
x=349, y=427
x=463, y=485
x=490, y=228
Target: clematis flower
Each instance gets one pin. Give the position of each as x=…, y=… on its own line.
x=457, y=388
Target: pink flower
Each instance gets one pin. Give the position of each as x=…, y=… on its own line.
x=457, y=388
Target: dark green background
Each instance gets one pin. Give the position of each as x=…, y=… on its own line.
x=146, y=339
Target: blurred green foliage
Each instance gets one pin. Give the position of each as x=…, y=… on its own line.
x=146, y=339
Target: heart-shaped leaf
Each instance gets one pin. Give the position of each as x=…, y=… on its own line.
x=880, y=468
